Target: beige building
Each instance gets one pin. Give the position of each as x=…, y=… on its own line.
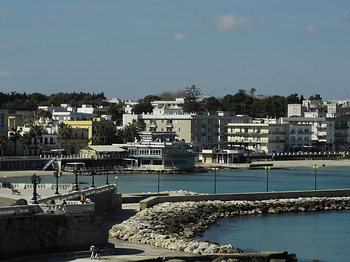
x=204, y=131
x=257, y=137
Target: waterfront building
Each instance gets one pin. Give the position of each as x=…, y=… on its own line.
x=203, y=131
x=160, y=156
x=258, y=136
x=222, y=156
x=91, y=126
x=102, y=151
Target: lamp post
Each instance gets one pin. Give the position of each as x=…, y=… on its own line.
x=93, y=178
x=116, y=184
x=76, y=184
x=214, y=169
x=158, y=174
x=57, y=175
x=267, y=168
x=107, y=182
x=35, y=180
x=315, y=170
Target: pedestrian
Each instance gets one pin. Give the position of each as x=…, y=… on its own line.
x=97, y=252
x=92, y=251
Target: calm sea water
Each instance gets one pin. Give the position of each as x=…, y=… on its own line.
x=322, y=235
x=228, y=181
x=316, y=235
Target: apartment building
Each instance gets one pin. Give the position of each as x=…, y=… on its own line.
x=263, y=137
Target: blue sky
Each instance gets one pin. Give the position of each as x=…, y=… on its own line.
x=132, y=48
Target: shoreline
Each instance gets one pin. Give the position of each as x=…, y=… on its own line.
x=280, y=164
x=175, y=226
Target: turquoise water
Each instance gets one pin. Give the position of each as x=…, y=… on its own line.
x=228, y=181
x=315, y=235
x=323, y=235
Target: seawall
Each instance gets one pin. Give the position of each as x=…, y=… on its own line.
x=174, y=225
x=25, y=235
x=152, y=201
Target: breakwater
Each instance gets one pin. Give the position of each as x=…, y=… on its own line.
x=174, y=225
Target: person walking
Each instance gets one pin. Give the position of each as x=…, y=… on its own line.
x=97, y=252
x=92, y=251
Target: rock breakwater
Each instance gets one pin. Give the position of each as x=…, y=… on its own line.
x=174, y=225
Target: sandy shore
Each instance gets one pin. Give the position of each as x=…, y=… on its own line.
x=275, y=164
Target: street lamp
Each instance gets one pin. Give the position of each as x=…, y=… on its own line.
x=57, y=175
x=93, y=178
x=158, y=174
x=267, y=168
x=315, y=169
x=215, y=169
x=116, y=184
x=107, y=182
x=35, y=180
x=76, y=184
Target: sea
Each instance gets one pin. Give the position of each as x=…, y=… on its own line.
x=322, y=236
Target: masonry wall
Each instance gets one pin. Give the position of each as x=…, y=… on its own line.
x=24, y=235
x=151, y=201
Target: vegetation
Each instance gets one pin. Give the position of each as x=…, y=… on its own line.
x=17, y=101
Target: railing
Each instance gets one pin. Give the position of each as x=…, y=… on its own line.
x=19, y=210
x=77, y=194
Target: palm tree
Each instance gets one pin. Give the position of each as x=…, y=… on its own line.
x=65, y=132
x=36, y=132
x=3, y=143
x=15, y=136
x=25, y=140
x=104, y=136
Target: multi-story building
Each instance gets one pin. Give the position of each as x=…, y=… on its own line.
x=203, y=131
x=259, y=137
x=299, y=137
x=86, y=129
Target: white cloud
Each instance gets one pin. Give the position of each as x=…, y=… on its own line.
x=310, y=30
x=347, y=14
x=179, y=36
x=232, y=22
x=4, y=73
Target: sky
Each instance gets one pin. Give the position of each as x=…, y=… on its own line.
x=132, y=48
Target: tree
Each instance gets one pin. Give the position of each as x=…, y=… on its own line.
x=116, y=111
x=15, y=136
x=316, y=97
x=104, y=136
x=129, y=133
x=211, y=104
x=65, y=132
x=36, y=133
x=293, y=99
x=44, y=114
x=142, y=107
x=3, y=143
x=25, y=140
x=191, y=95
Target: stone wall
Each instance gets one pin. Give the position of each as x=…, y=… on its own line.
x=151, y=201
x=24, y=235
x=174, y=225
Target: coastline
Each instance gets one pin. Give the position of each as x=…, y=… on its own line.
x=280, y=164
x=175, y=225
